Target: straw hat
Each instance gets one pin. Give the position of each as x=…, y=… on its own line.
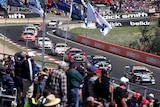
x=51, y=100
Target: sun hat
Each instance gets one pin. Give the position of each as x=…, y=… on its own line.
x=51, y=100
x=31, y=54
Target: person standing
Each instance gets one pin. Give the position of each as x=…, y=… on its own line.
x=28, y=76
x=19, y=58
x=57, y=83
x=74, y=78
x=120, y=93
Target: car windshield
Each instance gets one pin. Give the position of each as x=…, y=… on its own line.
x=140, y=71
x=44, y=40
x=76, y=52
x=28, y=33
x=100, y=59
x=37, y=24
x=31, y=29
x=61, y=46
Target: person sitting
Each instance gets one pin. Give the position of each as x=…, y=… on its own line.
x=8, y=83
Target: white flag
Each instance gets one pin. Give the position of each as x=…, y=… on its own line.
x=102, y=24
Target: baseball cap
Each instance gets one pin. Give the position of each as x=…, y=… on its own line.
x=151, y=95
x=31, y=54
x=97, y=71
x=144, y=101
x=136, y=95
x=124, y=79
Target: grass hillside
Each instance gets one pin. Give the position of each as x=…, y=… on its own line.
x=118, y=35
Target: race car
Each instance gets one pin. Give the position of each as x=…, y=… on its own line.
x=34, y=29
x=28, y=35
x=47, y=43
x=75, y=54
x=101, y=62
x=38, y=26
x=59, y=48
x=139, y=74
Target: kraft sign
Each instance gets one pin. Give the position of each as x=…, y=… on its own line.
x=22, y=15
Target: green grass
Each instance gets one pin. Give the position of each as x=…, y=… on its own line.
x=118, y=35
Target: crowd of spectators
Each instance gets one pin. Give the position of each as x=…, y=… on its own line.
x=134, y=5
x=67, y=86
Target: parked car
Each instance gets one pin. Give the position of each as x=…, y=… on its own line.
x=54, y=23
x=38, y=26
x=34, y=29
x=28, y=35
x=102, y=62
x=139, y=74
x=75, y=54
x=47, y=43
x=59, y=48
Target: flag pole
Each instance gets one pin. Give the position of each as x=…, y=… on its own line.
x=69, y=18
x=43, y=33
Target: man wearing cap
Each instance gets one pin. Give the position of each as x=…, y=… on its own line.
x=73, y=83
x=57, y=82
x=120, y=93
x=28, y=75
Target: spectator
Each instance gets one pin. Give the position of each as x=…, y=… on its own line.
x=19, y=58
x=150, y=98
x=40, y=83
x=8, y=83
x=120, y=93
x=102, y=86
x=52, y=101
x=73, y=83
x=58, y=82
x=28, y=76
x=133, y=101
x=91, y=83
x=144, y=103
x=41, y=101
x=91, y=102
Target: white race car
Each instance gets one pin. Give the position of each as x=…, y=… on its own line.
x=47, y=43
x=34, y=29
x=54, y=23
x=139, y=74
x=59, y=49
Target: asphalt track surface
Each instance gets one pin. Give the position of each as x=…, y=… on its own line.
x=118, y=62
